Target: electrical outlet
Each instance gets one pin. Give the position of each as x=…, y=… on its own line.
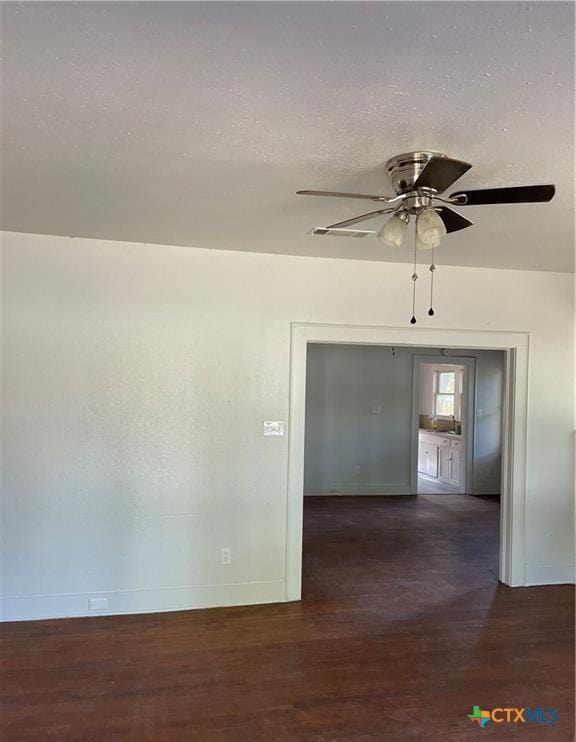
x=98, y=604
x=376, y=409
x=357, y=469
x=226, y=555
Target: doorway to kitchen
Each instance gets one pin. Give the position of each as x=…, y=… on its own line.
x=443, y=423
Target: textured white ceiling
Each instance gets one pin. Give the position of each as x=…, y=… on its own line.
x=195, y=123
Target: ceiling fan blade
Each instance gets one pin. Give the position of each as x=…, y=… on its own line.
x=516, y=195
x=440, y=173
x=360, y=218
x=337, y=194
x=452, y=220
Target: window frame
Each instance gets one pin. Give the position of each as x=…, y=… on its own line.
x=456, y=394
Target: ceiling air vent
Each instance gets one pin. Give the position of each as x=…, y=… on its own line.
x=340, y=232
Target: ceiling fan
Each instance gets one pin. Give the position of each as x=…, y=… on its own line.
x=418, y=179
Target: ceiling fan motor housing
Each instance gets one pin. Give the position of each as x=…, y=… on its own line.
x=403, y=170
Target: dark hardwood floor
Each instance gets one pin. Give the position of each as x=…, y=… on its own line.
x=402, y=629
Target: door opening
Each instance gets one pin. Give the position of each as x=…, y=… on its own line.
x=443, y=421
x=514, y=345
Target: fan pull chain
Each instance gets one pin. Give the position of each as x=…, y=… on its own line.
x=414, y=279
x=432, y=269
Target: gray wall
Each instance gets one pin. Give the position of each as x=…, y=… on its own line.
x=352, y=450
x=488, y=432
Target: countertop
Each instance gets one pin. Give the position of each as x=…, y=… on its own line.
x=440, y=433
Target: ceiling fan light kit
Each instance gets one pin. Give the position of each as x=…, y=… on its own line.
x=394, y=230
x=430, y=229
x=418, y=179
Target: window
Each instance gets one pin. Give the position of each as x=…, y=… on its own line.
x=444, y=393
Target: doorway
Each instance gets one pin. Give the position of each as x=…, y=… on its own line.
x=443, y=416
x=515, y=347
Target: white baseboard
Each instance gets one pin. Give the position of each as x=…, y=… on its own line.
x=155, y=600
x=353, y=488
x=562, y=575
x=159, y=600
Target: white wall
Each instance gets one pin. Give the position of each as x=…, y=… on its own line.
x=135, y=382
x=350, y=450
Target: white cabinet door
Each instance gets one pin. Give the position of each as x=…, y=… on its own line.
x=428, y=459
x=421, y=458
x=455, y=463
x=444, y=463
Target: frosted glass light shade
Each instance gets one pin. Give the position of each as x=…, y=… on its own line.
x=394, y=230
x=424, y=245
x=430, y=229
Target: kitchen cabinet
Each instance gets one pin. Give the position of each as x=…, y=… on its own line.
x=428, y=459
x=455, y=469
x=444, y=462
x=440, y=456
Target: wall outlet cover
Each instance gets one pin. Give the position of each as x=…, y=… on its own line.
x=98, y=604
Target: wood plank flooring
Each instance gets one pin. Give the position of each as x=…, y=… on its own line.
x=403, y=628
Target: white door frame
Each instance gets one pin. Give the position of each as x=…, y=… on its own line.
x=512, y=503
x=468, y=418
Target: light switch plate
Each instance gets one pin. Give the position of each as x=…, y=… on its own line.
x=273, y=427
